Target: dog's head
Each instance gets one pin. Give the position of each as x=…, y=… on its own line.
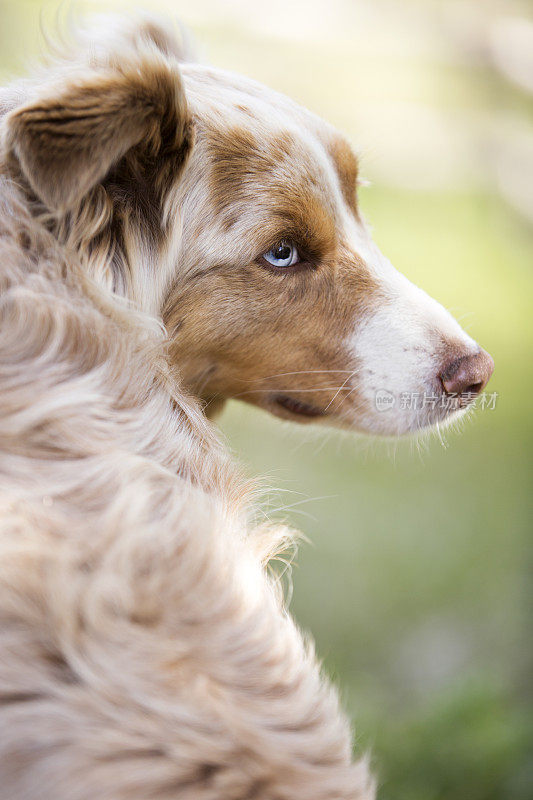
x=233, y=213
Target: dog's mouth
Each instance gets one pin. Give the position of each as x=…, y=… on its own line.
x=297, y=408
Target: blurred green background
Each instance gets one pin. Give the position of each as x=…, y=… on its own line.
x=415, y=582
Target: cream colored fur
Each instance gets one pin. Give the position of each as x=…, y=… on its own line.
x=144, y=651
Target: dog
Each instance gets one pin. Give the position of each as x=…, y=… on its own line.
x=172, y=236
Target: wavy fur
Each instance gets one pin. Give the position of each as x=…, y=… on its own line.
x=144, y=651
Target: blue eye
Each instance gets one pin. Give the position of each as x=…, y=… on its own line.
x=284, y=254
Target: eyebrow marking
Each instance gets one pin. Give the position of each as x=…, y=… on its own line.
x=347, y=168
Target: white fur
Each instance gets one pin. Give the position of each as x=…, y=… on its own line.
x=398, y=348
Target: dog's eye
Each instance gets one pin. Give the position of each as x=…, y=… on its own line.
x=283, y=254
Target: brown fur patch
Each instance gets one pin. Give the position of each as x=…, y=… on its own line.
x=347, y=169
x=279, y=182
x=239, y=161
x=272, y=334
x=67, y=143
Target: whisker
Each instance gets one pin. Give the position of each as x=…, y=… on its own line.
x=301, y=372
x=291, y=389
x=439, y=434
x=204, y=377
x=340, y=389
x=346, y=396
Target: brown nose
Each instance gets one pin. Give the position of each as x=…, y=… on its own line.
x=468, y=374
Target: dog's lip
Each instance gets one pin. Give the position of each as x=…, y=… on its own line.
x=298, y=407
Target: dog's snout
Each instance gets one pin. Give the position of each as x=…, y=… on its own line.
x=468, y=374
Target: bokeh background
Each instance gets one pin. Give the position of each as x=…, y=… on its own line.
x=416, y=581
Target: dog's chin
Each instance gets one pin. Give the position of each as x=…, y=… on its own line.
x=404, y=427
x=395, y=426
x=385, y=424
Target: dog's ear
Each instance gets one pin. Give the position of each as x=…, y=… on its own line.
x=67, y=140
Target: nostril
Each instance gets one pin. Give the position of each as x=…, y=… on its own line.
x=474, y=388
x=467, y=375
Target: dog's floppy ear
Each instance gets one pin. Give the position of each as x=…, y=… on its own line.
x=67, y=140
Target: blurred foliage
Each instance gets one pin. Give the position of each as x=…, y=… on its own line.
x=474, y=720
x=416, y=585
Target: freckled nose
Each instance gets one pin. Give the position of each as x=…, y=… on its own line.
x=468, y=374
